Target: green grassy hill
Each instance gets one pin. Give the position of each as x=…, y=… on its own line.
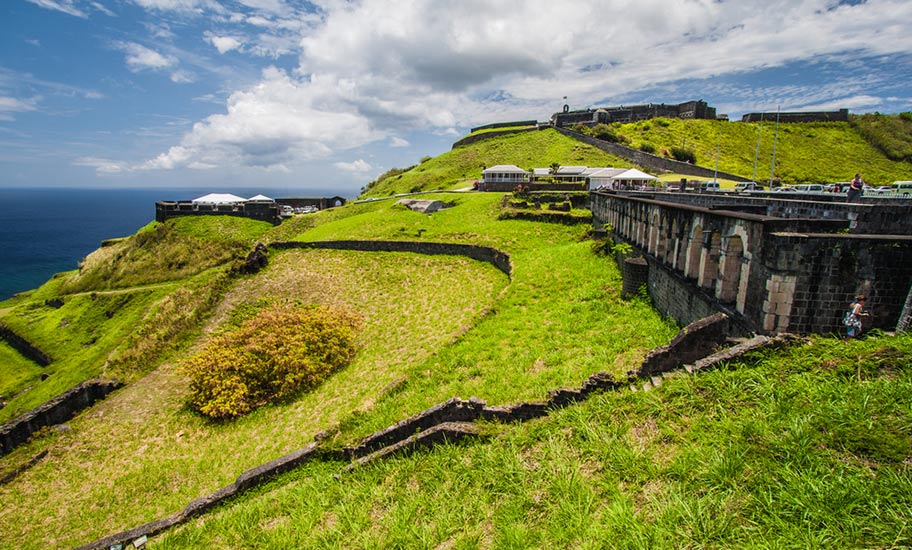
x=807, y=446
x=878, y=146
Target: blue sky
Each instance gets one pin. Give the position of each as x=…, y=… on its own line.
x=325, y=95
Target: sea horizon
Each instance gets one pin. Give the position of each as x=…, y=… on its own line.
x=49, y=230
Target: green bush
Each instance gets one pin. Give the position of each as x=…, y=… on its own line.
x=684, y=155
x=647, y=147
x=281, y=351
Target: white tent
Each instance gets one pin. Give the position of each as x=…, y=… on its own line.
x=260, y=198
x=218, y=198
x=621, y=179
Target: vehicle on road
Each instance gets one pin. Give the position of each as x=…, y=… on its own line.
x=902, y=187
x=749, y=186
x=785, y=189
x=809, y=188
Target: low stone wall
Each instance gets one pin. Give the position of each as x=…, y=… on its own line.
x=56, y=411
x=23, y=346
x=499, y=259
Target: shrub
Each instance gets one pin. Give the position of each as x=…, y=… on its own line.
x=647, y=147
x=280, y=352
x=684, y=155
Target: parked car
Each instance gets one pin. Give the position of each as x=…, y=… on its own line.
x=837, y=187
x=785, y=189
x=902, y=187
x=809, y=188
x=749, y=186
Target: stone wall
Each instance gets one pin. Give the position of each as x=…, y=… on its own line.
x=819, y=274
x=23, y=346
x=268, y=212
x=56, y=411
x=497, y=258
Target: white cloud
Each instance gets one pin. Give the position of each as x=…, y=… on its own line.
x=280, y=121
x=11, y=105
x=224, y=44
x=140, y=57
x=359, y=166
x=65, y=6
x=103, y=9
x=374, y=69
x=181, y=76
x=101, y=165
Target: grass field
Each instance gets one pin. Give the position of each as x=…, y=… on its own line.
x=808, y=446
x=435, y=328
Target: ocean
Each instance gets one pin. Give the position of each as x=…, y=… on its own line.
x=44, y=231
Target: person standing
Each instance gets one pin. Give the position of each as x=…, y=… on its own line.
x=853, y=317
x=856, y=188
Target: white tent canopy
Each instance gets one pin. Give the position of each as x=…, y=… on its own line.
x=218, y=198
x=261, y=198
x=612, y=177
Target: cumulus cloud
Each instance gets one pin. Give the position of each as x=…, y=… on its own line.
x=359, y=166
x=372, y=69
x=278, y=122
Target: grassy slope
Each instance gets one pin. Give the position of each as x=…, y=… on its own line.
x=463, y=165
x=436, y=327
x=807, y=447
x=805, y=152
x=126, y=295
x=551, y=326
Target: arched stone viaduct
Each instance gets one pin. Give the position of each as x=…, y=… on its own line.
x=775, y=265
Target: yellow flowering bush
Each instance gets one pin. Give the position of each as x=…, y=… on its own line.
x=281, y=351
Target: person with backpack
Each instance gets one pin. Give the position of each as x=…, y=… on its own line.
x=852, y=319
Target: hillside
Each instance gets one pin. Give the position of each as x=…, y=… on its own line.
x=876, y=145
x=803, y=446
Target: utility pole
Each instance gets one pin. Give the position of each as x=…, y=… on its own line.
x=757, y=151
x=775, y=141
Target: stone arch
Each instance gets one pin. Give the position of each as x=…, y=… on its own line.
x=694, y=251
x=709, y=261
x=730, y=269
x=653, y=246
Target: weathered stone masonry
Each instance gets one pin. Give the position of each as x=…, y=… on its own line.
x=774, y=265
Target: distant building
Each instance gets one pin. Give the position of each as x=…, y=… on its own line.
x=505, y=173
x=259, y=207
x=633, y=113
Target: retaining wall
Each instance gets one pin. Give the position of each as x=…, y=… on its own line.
x=500, y=260
x=56, y=411
x=24, y=347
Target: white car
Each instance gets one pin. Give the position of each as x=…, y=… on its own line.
x=785, y=190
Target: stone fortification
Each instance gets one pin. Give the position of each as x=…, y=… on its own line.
x=775, y=265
